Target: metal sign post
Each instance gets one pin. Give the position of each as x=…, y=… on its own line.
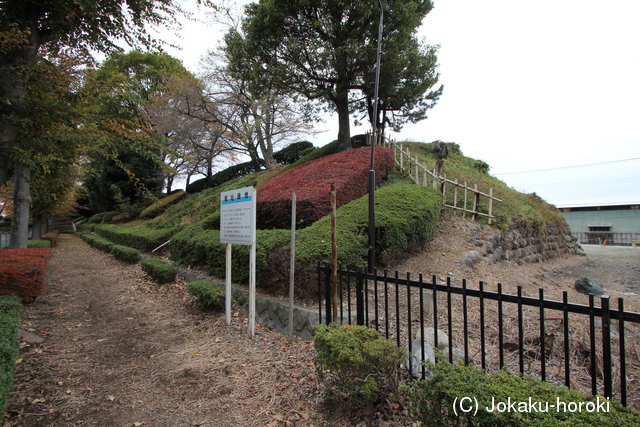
x=238, y=226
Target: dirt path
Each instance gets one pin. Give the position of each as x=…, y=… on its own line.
x=119, y=350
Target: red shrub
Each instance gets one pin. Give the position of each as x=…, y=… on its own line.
x=22, y=271
x=44, y=253
x=348, y=170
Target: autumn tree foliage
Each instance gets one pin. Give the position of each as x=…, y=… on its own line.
x=311, y=182
x=26, y=27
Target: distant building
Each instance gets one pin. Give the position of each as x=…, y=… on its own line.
x=615, y=224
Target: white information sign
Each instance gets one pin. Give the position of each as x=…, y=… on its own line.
x=238, y=226
x=237, y=210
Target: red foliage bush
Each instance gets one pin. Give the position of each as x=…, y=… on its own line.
x=348, y=170
x=22, y=271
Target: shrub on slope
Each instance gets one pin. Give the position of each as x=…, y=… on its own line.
x=348, y=170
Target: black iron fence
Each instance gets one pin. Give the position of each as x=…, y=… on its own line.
x=589, y=347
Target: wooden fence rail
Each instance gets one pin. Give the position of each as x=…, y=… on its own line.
x=421, y=175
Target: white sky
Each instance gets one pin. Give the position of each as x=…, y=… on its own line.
x=529, y=86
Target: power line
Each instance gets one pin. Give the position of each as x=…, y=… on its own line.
x=570, y=167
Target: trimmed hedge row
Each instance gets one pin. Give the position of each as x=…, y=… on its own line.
x=199, y=247
x=120, y=252
x=159, y=270
x=10, y=309
x=22, y=271
x=311, y=181
x=144, y=239
x=406, y=218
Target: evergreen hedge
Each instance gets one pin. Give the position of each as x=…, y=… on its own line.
x=159, y=270
x=434, y=402
x=406, y=218
x=143, y=239
x=10, y=309
x=209, y=294
x=199, y=247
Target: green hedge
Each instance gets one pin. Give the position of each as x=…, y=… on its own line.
x=365, y=365
x=39, y=243
x=141, y=238
x=199, y=247
x=433, y=401
x=97, y=242
x=406, y=218
x=10, y=309
x=209, y=294
x=125, y=253
x=161, y=271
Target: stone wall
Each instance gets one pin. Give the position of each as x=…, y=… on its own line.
x=270, y=312
x=524, y=245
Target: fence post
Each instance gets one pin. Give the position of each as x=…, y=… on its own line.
x=476, y=202
x=464, y=212
x=606, y=347
x=359, y=296
x=455, y=197
x=327, y=292
x=490, y=205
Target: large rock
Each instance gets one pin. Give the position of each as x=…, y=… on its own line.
x=443, y=339
x=587, y=286
x=416, y=361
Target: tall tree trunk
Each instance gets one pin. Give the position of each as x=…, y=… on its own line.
x=21, y=204
x=39, y=227
x=344, y=131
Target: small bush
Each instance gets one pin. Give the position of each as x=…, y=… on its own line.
x=10, y=308
x=432, y=401
x=42, y=243
x=108, y=216
x=52, y=236
x=223, y=176
x=22, y=271
x=362, y=364
x=159, y=270
x=209, y=294
x=293, y=152
x=125, y=253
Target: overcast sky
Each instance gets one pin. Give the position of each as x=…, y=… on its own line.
x=547, y=93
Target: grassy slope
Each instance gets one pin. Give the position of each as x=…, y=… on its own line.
x=516, y=210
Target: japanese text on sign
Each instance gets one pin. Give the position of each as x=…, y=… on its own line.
x=236, y=216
